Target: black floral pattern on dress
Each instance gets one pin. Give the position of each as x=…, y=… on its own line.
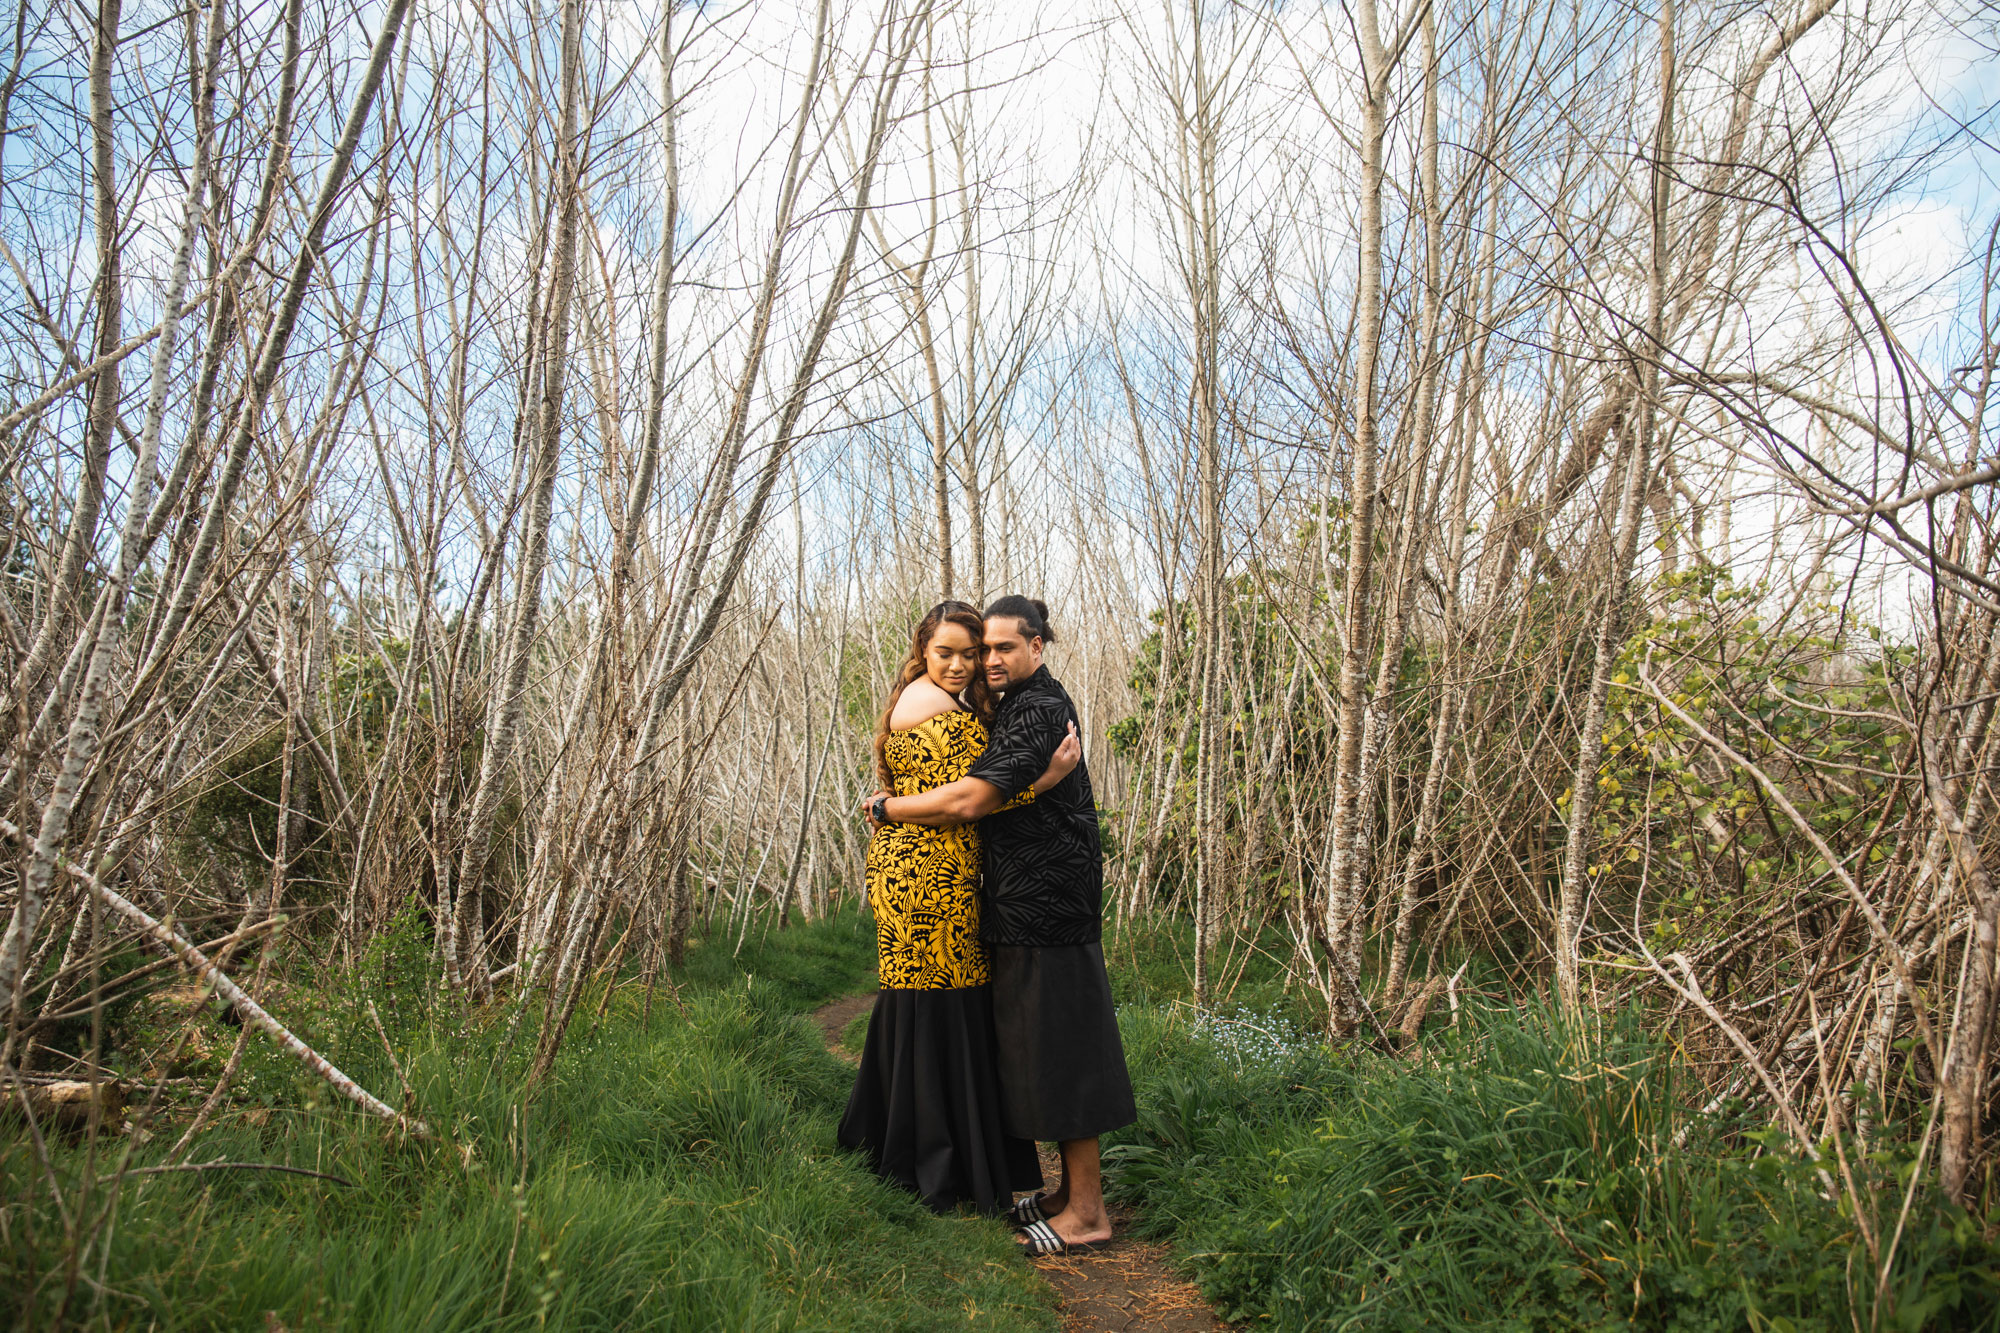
x=924, y=882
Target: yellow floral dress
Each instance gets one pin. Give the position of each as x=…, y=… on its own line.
x=925, y=1110
x=923, y=883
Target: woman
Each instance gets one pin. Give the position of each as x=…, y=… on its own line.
x=926, y=1103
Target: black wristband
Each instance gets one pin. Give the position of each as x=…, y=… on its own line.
x=881, y=809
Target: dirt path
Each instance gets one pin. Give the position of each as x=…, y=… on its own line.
x=834, y=1018
x=1123, y=1288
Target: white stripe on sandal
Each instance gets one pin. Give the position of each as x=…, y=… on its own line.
x=1027, y=1211
x=1042, y=1240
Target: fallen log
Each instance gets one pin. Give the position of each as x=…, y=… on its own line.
x=166, y=937
x=69, y=1103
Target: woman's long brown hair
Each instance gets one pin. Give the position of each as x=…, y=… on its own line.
x=978, y=695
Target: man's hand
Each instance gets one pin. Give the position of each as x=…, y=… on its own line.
x=868, y=808
x=1067, y=756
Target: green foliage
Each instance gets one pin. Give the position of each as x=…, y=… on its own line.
x=675, y=1172
x=1526, y=1178
x=1700, y=835
x=1151, y=965
x=72, y=1030
x=872, y=660
x=1258, y=645
x=228, y=831
x=1803, y=696
x=863, y=686
x=365, y=693
x=235, y=816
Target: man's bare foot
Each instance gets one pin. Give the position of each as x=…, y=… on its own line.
x=1076, y=1228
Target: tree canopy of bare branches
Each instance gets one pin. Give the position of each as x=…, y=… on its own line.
x=1514, y=484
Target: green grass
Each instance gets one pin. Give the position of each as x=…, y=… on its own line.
x=854, y=1037
x=1527, y=1178
x=803, y=966
x=675, y=1172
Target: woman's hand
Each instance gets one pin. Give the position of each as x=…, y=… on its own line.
x=868, y=807
x=1067, y=756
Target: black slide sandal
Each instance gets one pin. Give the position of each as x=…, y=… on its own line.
x=1026, y=1212
x=1041, y=1241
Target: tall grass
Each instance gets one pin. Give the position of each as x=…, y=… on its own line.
x=677, y=1171
x=1524, y=1176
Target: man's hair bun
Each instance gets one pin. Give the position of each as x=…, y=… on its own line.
x=1032, y=613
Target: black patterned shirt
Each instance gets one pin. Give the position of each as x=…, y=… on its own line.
x=1044, y=871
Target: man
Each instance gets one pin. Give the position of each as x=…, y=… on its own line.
x=1062, y=1066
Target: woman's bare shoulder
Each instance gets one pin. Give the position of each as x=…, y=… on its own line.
x=921, y=702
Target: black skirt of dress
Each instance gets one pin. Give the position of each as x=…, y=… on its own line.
x=1062, y=1065
x=926, y=1103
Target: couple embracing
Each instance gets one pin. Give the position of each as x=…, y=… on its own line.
x=993, y=1028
